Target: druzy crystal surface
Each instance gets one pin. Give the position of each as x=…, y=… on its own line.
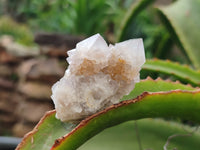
x=98, y=75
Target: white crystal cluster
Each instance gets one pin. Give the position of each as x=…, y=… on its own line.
x=98, y=75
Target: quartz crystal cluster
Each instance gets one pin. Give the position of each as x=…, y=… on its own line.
x=98, y=75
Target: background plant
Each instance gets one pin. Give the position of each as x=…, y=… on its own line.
x=67, y=16
x=19, y=32
x=169, y=32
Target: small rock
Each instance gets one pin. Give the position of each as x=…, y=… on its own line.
x=17, y=49
x=20, y=129
x=32, y=111
x=7, y=101
x=5, y=70
x=41, y=69
x=7, y=58
x=7, y=118
x=6, y=84
x=35, y=90
x=57, y=40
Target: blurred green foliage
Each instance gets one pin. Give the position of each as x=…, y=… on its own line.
x=85, y=17
x=67, y=16
x=19, y=32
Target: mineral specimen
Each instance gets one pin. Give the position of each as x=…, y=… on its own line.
x=98, y=75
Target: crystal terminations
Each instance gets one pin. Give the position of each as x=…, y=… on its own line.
x=98, y=75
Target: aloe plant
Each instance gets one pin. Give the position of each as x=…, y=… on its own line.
x=162, y=104
x=150, y=99
x=182, y=103
x=181, y=19
x=151, y=131
x=130, y=110
x=131, y=13
x=181, y=72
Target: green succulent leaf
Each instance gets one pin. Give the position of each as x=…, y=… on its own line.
x=158, y=85
x=49, y=128
x=148, y=131
x=182, y=104
x=132, y=12
x=182, y=72
x=45, y=133
x=182, y=20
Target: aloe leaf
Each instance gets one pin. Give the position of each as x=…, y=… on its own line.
x=132, y=12
x=50, y=128
x=182, y=72
x=182, y=104
x=150, y=131
x=45, y=133
x=164, y=44
x=150, y=85
x=182, y=20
